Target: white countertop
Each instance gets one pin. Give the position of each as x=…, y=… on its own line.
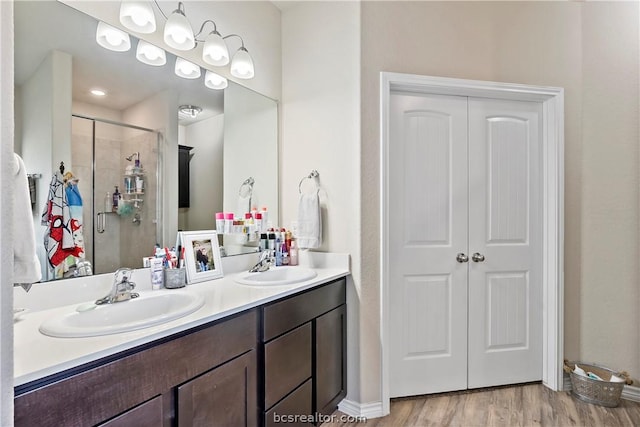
x=37, y=356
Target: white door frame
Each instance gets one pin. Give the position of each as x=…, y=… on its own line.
x=552, y=99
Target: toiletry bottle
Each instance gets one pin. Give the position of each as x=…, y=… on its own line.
x=265, y=218
x=272, y=243
x=258, y=222
x=264, y=242
x=116, y=199
x=108, y=202
x=228, y=222
x=285, y=254
x=287, y=240
x=278, y=253
x=293, y=253
x=220, y=222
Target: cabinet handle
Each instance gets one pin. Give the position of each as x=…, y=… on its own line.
x=462, y=258
x=477, y=257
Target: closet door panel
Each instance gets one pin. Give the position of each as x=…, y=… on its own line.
x=428, y=228
x=505, y=288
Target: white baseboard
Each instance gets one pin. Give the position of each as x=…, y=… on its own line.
x=629, y=392
x=366, y=410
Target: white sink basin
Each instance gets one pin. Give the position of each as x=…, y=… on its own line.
x=285, y=275
x=147, y=310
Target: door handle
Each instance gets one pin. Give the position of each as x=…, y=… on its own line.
x=462, y=258
x=477, y=257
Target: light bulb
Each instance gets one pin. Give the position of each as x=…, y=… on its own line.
x=242, y=64
x=150, y=54
x=178, y=32
x=215, y=81
x=215, y=50
x=112, y=38
x=137, y=16
x=186, y=69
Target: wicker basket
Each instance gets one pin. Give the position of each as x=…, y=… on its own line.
x=604, y=393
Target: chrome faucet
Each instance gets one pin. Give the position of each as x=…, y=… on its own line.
x=264, y=263
x=122, y=287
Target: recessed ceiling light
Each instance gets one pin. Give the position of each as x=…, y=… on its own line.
x=98, y=92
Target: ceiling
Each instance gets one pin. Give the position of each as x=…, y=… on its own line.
x=127, y=81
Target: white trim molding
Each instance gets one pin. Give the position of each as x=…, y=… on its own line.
x=552, y=99
x=363, y=410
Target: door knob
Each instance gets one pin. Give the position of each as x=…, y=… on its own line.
x=477, y=257
x=462, y=258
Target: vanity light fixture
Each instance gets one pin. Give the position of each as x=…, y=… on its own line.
x=215, y=81
x=191, y=111
x=150, y=54
x=137, y=16
x=178, y=32
x=186, y=69
x=112, y=38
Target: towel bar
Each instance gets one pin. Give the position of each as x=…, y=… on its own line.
x=314, y=174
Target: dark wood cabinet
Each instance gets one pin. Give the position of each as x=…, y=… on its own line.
x=264, y=366
x=112, y=387
x=224, y=396
x=304, y=342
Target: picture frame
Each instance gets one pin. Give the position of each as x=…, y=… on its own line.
x=201, y=255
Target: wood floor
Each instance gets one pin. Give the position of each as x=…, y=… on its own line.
x=525, y=405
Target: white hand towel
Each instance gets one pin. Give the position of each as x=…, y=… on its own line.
x=309, y=221
x=26, y=267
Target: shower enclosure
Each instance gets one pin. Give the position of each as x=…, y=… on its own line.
x=105, y=155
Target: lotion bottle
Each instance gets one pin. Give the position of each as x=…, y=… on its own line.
x=293, y=253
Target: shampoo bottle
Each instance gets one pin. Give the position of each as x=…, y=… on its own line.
x=116, y=199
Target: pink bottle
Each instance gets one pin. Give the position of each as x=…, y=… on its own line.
x=220, y=222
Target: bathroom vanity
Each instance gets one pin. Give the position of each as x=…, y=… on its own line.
x=248, y=355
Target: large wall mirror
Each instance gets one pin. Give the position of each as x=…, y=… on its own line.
x=129, y=138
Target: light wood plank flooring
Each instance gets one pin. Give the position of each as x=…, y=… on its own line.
x=523, y=405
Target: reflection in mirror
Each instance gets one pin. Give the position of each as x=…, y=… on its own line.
x=55, y=71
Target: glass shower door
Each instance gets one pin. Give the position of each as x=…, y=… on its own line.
x=118, y=170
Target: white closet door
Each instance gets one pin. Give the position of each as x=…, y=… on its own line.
x=428, y=227
x=505, y=289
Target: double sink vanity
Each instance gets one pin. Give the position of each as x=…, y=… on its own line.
x=245, y=350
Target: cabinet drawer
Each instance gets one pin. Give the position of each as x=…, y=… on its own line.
x=287, y=363
x=285, y=315
x=297, y=403
x=149, y=414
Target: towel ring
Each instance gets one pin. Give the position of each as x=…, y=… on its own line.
x=313, y=175
x=247, y=183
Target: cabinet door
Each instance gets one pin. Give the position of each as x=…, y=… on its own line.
x=287, y=363
x=225, y=396
x=331, y=375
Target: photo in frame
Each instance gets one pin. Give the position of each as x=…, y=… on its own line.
x=201, y=255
